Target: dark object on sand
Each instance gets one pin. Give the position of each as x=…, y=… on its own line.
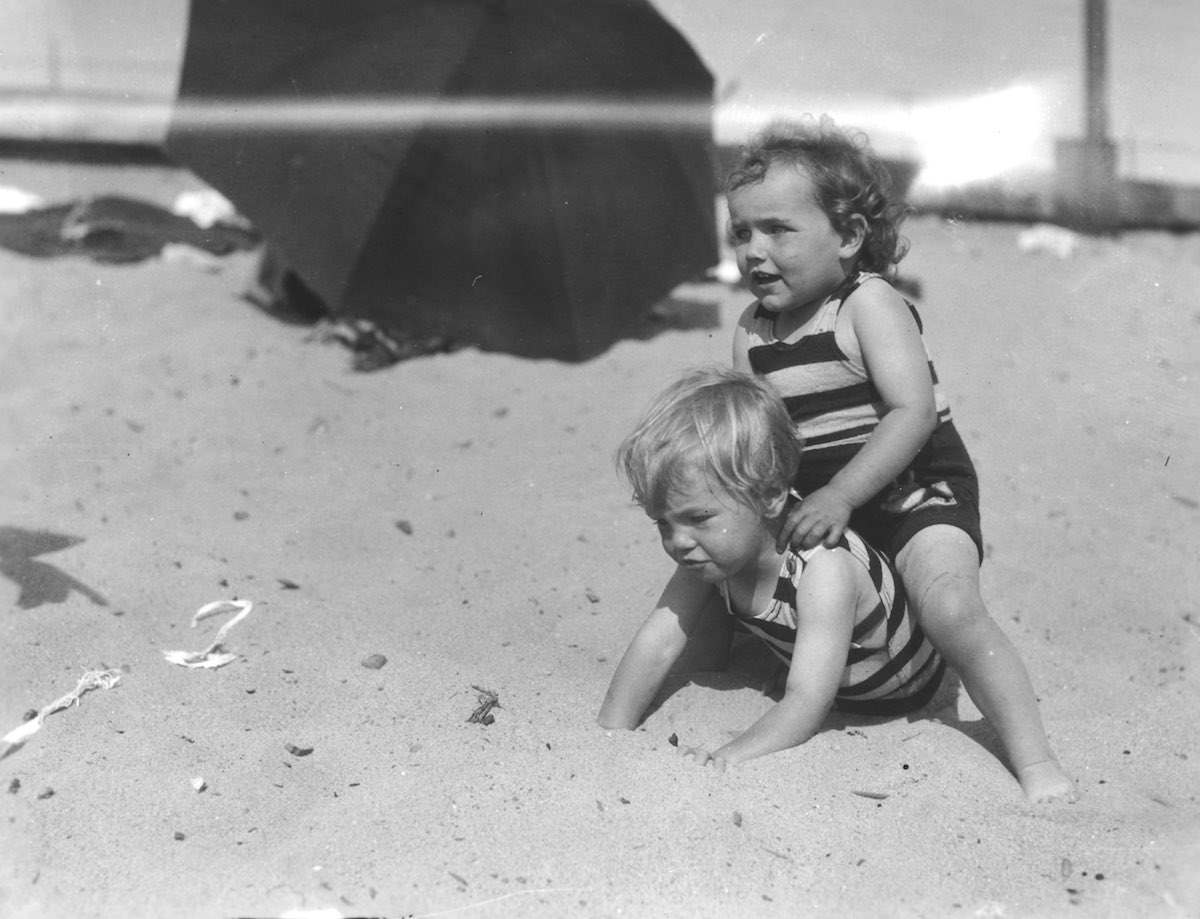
x=528, y=176
x=297, y=751
x=114, y=229
x=487, y=701
x=873, y=795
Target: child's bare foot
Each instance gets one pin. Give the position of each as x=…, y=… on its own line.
x=1045, y=782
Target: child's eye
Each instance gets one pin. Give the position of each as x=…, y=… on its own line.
x=739, y=234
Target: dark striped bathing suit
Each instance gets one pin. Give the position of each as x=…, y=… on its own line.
x=824, y=382
x=891, y=667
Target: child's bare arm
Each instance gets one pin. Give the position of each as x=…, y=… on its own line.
x=741, y=343
x=828, y=596
x=654, y=649
x=898, y=366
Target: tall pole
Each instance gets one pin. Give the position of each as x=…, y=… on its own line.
x=1088, y=194
x=1095, y=37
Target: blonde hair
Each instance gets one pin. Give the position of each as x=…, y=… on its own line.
x=729, y=425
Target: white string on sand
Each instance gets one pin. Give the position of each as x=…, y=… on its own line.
x=92, y=679
x=212, y=657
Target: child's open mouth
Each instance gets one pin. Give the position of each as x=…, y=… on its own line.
x=763, y=278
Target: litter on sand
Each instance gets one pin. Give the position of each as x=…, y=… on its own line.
x=1046, y=237
x=92, y=679
x=17, y=200
x=487, y=701
x=213, y=656
x=206, y=208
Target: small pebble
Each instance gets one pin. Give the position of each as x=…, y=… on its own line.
x=404, y=527
x=374, y=661
x=14, y=786
x=45, y=793
x=179, y=837
x=297, y=751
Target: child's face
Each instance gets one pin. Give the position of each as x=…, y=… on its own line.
x=786, y=247
x=710, y=532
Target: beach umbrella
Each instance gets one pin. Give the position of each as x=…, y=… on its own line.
x=524, y=175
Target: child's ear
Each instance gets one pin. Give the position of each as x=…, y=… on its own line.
x=853, y=236
x=777, y=504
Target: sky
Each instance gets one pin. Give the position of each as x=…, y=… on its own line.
x=961, y=84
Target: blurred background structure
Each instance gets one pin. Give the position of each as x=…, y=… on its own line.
x=1085, y=111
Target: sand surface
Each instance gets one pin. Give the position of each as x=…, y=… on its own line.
x=459, y=515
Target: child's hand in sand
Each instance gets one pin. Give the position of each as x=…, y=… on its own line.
x=1046, y=783
x=703, y=757
x=820, y=518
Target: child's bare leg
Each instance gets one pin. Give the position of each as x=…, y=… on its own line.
x=939, y=567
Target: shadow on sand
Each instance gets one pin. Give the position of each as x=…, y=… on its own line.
x=39, y=582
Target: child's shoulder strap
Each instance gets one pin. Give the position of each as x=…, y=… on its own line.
x=855, y=281
x=852, y=283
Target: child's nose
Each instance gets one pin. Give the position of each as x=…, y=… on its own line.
x=754, y=247
x=677, y=540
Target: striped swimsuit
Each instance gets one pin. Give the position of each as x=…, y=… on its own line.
x=824, y=381
x=828, y=392
x=891, y=667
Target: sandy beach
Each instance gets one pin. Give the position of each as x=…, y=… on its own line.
x=164, y=445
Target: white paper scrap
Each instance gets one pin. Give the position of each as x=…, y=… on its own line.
x=212, y=657
x=92, y=679
x=206, y=207
x=17, y=200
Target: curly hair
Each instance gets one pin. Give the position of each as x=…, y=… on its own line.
x=849, y=179
x=729, y=425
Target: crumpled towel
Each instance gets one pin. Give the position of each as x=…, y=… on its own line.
x=212, y=657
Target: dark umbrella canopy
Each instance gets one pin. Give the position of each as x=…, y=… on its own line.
x=500, y=225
